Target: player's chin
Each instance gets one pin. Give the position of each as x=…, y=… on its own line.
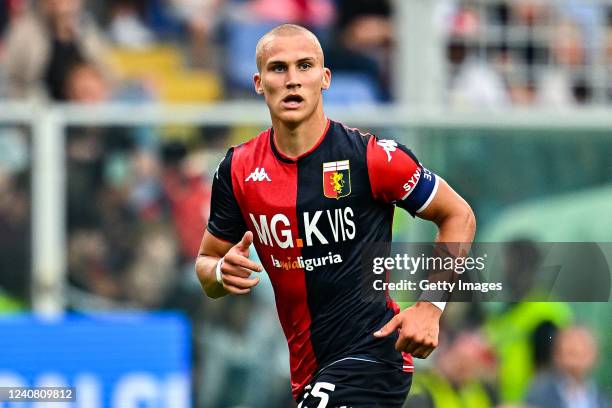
x=292, y=116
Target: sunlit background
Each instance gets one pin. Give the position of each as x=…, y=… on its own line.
x=114, y=115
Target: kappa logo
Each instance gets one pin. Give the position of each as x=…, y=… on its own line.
x=336, y=179
x=388, y=146
x=259, y=174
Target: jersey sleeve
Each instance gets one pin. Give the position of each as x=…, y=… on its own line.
x=397, y=177
x=225, y=221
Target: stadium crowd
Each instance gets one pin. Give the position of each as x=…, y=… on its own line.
x=138, y=198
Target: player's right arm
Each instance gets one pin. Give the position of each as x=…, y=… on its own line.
x=235, y=268
x=222, y=265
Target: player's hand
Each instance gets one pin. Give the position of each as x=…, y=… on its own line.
x=237, y=267
x=418, y=327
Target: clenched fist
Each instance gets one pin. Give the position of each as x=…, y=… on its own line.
x=236, y=267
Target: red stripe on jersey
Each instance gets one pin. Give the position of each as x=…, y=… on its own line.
x=275, y=235
x=393, y=173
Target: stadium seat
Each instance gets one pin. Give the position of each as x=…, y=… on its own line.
x=190, y=86
x=138, y=63
x=164, y=66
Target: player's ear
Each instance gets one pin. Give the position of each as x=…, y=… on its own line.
x=257, y=83
x=326, y=80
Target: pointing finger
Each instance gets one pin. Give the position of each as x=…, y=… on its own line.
x=236, y=259
x=388, y=328
x=238, y=282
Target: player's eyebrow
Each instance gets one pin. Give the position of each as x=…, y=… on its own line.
x=282, y=62
x=275, y=62
x=306, y=59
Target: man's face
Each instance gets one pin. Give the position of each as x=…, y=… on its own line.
x=85, y=85
x=292, y=77
x=575, y=353
x=62, y=8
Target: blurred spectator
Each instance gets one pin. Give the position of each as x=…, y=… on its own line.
x=311, y=13
x=363, y=42
x=188, y=193
x=44, y=44
x=476, y=85
x=85, y=84
x=127, y=28
x=561, y=84
x=138, y=23
x=14, y=236
x=522, y=91
x=518, y=332
x=570, y=385
x=530, y=13
x=249, y=20
x=15, y=253
x=103, y=234
x=9, y=10
x=152, y=274
x=200, y=17
x=474, y=82
x=546, y=53
x=464, y=368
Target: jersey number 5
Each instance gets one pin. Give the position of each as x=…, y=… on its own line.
x=320, y=390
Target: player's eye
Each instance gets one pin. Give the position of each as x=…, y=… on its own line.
x=279, y=68
x=305, y=65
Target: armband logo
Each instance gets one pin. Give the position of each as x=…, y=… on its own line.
x=409, y=186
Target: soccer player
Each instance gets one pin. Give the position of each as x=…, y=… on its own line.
x=310, y=193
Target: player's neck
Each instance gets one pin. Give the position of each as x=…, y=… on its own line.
x=294, y=141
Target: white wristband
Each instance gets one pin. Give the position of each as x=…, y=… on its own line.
x=218, y=271
x=439, y=305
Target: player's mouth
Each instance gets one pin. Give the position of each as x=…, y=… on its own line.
x=292, y=101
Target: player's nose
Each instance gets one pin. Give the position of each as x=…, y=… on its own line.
x=293, y=79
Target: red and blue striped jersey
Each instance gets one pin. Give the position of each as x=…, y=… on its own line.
x=311, y=217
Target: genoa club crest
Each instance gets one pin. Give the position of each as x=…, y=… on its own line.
x=336, y=179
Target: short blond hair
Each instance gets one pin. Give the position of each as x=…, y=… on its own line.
x=284, y=30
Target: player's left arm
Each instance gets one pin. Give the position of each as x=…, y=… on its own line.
x=452, y=214
x=419, y=325
x=397, y=176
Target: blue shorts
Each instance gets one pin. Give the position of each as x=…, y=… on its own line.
x=356, y=382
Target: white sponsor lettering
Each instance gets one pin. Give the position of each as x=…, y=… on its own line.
x=409, y=186
x=263, y=232
x=277, y=230
x=309, y=264
x=310, y=227
x=259, y=174
x=286, y=233
x=349, y=222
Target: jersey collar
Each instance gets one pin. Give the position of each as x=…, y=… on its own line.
x=286, y=159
